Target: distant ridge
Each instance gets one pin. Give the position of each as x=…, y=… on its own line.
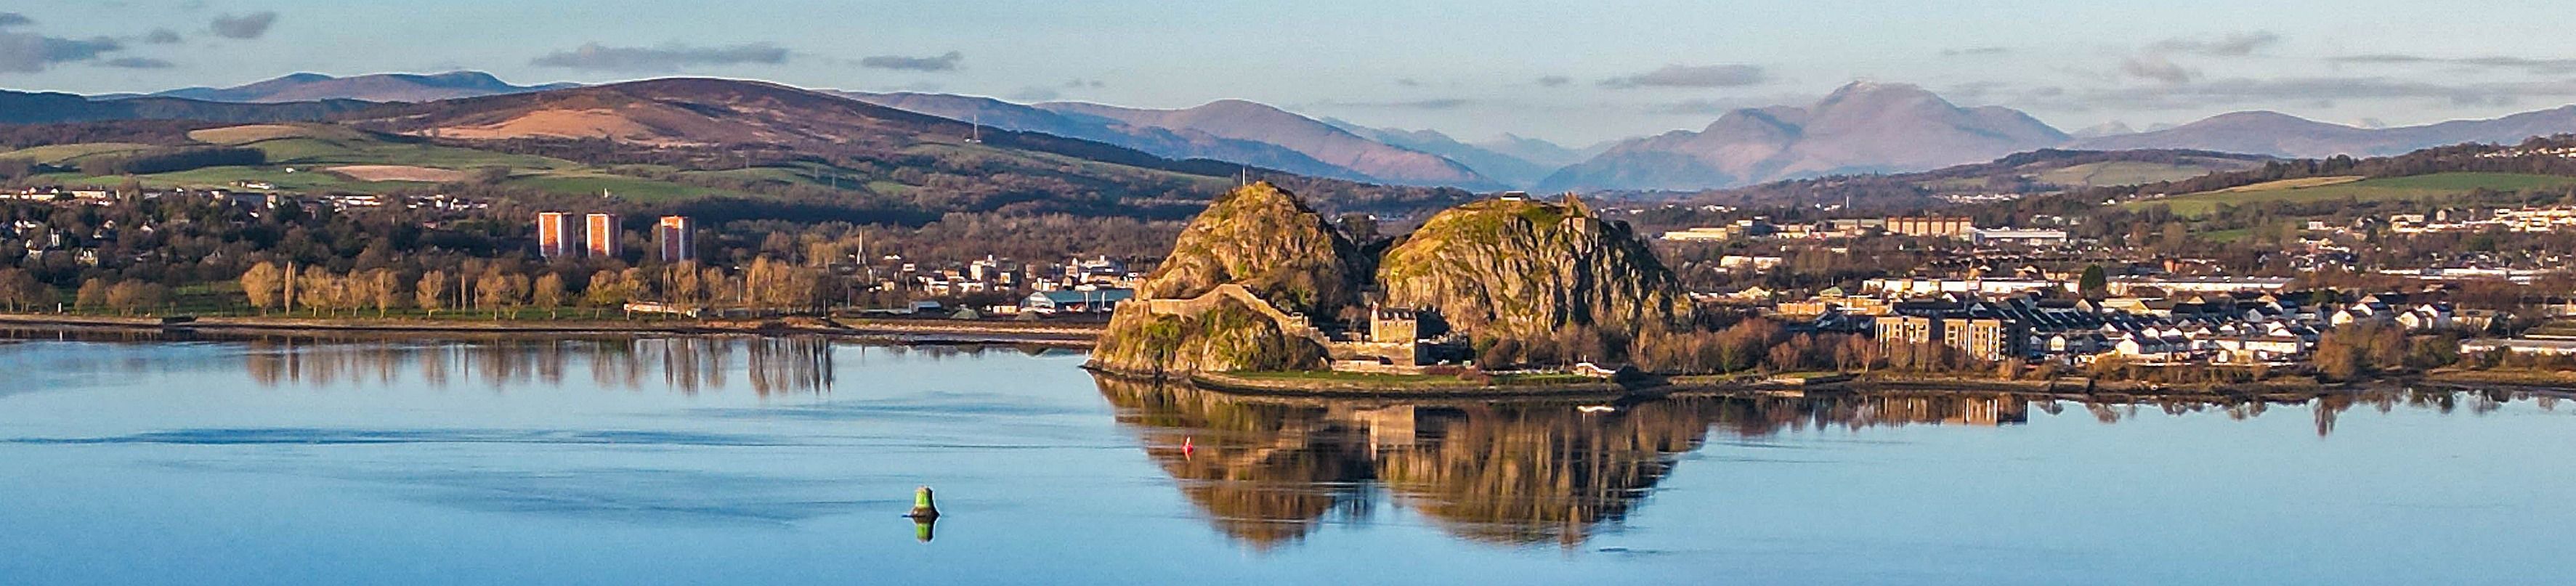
x=1227, y=130
x=1163, y=142
x=1510, y=170
x=381, y=87
x=55, y=108
x=2283, y=135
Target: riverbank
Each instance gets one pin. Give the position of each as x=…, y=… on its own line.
x=2556, y=382
x=1325, y=383
x=912, y=331
x=2070, y=386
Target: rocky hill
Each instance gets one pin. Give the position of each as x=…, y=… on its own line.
x=1258, y=237
x=1527, y=271
x=1503, y=271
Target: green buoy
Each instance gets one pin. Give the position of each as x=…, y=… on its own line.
x=921, y=506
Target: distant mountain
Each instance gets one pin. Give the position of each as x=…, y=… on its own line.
x=54, y=108
x=2112, y=128
x=1232, y=131
x=2283, y=135
x=1163, y=142
x=382, y=87
x=1509, y=170
x=1243, y=120
x=1860, y=128
x=1542, y=152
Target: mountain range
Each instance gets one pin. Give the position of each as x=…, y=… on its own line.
x=1858, y=129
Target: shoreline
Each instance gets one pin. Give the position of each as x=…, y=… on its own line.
x=1233, y=383
x=926, y=331
x=2064, y=389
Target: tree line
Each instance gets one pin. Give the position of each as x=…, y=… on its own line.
x=174, y=159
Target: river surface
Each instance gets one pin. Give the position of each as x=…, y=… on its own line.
x=743, y=460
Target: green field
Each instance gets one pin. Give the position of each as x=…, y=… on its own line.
x=328, y=152
x=61, y=153
x=226, y=177
x=630, y=188
x=2418, y=187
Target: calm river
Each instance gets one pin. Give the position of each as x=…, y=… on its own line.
x=739, y=460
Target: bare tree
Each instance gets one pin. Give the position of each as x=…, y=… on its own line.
x=431, y=292
x=549, y=293
x=387, y=288
x=262, y=285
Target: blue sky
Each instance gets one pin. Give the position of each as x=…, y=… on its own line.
x=1565, y=71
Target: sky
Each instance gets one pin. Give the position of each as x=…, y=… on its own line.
x=1570, y=72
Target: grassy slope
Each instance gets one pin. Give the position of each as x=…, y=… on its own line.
x=60, y=153
x=2125, y=173
x=2328, y=188
x=2100, y=174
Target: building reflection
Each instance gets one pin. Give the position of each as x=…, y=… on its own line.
x=686, y=364
x=1267, y=471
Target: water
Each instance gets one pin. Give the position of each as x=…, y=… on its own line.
x=738, y=460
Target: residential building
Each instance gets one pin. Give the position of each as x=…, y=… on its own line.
x=1931, y=226
x=2520, y=346
x=556, y=233
x=1082, y=301
x=2023, y=237
x=601, y=232
x=675, y=238
x=1982, y=337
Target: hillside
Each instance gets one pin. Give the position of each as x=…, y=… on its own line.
x=2283, y=135
x=671, y=112
x=1861, y=128
x=57, y=108
x=382, y=87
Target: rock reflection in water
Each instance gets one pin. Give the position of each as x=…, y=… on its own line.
x=1269, y=470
